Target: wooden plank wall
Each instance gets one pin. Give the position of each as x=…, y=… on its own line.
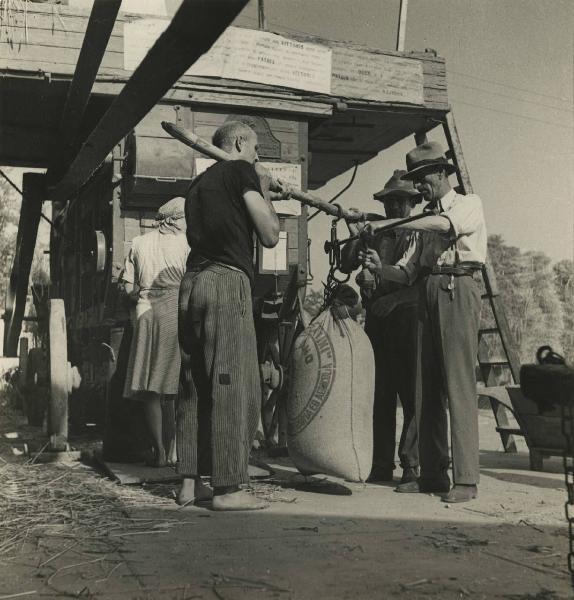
x=55, y=34
x=291, y=133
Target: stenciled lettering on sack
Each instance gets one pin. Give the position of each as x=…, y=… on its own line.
x=317, y=343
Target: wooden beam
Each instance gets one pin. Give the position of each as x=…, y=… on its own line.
x=33, y=189
x=98, y=32
x=192, y=31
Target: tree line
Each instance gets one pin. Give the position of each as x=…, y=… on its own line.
x=537, y=295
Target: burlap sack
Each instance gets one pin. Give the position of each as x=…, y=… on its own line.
x=330, y=401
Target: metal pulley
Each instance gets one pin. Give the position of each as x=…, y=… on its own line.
x=98, y=251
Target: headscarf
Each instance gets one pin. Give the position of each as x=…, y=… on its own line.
x=170, y=218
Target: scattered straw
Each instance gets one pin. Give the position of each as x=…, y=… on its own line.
x=270, y=492
x=72, y=504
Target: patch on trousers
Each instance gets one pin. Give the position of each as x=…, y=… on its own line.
x=224, y=379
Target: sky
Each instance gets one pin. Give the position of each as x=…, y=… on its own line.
x=510, y=78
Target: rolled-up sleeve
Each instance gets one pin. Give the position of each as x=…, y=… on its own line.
x=128, y=274
x=466, y=216
x=410, y=261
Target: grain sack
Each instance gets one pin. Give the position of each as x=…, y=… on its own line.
x=330, y=401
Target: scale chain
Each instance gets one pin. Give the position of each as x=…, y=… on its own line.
x=568, y=459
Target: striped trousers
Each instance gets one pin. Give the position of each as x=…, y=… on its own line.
x=220, y=394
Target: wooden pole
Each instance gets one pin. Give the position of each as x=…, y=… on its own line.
x=192, y=31
x=261, y=14
x=194, y=141
x=33, y=190
x=401, y=32
x=58, y=421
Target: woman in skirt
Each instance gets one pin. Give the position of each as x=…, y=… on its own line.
x=153, y=271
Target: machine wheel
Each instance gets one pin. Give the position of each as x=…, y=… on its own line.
x=274, y=415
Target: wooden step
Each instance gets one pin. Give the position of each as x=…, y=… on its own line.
x=488, y=330
x=493, y=363
x=510, y=430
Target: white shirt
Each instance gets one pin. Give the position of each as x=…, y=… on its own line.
x=465, y=242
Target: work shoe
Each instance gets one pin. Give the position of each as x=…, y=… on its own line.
x=440, y=485
x=461, y=493
x=380, y=474
x=409, y=474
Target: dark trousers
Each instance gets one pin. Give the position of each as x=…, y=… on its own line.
x=394, y=341
x=220, y=394
x=448, y=344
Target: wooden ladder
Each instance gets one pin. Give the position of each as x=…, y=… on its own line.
x=506, y=368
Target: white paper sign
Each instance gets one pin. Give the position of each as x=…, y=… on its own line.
x=361, y=74
x=275, y=259
x=291, y=174
x=288, y=172
x=138, y=7
x=243, y=54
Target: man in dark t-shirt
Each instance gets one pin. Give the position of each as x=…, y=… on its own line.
x=219, y=226
x=220, y=394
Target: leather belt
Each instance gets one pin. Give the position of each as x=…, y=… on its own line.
x=448, y=270
x=458, y=270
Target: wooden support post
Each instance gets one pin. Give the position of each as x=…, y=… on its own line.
x=98, y=32
x=192, y=31
x=421, y=138
x=262, y=21
x=58, y=420
x=453, y=140
x=32, y=195
x=402, y=29
x=23, y=360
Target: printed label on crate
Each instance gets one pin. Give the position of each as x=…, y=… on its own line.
x=379, y=77
x=243, y=54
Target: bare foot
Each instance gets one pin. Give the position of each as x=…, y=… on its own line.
x=240, y=500
x=186, y=494
x=158, y=459
x=192, y=491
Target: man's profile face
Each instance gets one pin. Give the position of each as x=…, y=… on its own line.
x=429, y=185
x=249, y=147
x=397, y=207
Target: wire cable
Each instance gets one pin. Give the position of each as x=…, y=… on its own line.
x=339, y=193
x=507, y=85
x=478, y=89
x=505, y=112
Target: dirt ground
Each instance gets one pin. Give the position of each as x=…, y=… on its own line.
x=67, y=531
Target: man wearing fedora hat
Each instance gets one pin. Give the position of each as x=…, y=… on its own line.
x=450, y=252
x=391, y=324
